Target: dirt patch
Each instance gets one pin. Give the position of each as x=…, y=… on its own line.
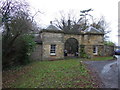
x=10, y=76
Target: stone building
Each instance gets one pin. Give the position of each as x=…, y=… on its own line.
x=53, y=43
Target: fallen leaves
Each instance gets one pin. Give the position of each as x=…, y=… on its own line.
x=62, y=74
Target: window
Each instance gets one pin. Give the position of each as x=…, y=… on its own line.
x=95, y=50
x=53, y=49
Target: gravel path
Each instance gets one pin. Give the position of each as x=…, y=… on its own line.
x=107, y=71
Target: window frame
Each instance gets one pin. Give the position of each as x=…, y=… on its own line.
x=95, y=49
x=53, y=49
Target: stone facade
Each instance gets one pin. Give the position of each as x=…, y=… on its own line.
x=108, y=50
x=49, y=38
x=58, y=38
x=37, y=54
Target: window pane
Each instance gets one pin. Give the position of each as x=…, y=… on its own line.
x=53, y=49
x=95, y=49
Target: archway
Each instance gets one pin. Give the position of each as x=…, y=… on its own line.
x=71, y=47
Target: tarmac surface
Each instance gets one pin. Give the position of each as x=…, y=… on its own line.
x=108, y=72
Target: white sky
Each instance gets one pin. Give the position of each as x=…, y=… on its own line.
x=106, y=8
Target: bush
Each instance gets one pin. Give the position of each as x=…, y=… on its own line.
x=109, y=43
x=24, y=49
x=82, y=52
x=20, y=51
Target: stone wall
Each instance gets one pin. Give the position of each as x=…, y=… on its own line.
x=89, y=50
x=108, y=50
x=101, y=50
x=37, y=53
x=93, y=39
x=88, y=40
x=77, y=37
x=52, y=38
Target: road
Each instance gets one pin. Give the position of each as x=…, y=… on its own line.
x=108, y=71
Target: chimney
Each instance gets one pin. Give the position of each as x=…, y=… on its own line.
x=51, y=22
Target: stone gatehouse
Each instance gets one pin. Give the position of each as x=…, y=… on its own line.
x=53, y=43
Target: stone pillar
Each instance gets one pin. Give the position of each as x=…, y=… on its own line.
x=89, y=50
x=101, y=51
x=78, y=50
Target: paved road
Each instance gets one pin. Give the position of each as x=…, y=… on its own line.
x=107, y=71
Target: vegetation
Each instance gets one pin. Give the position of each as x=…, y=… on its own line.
x=72, y=24
x=18, y=43
x=102, y=58
x=109, y=43
x=17, y=23
x=99, y=58
x=69, y=73
x=25, y=46
x=84, y=20
x=82, y=52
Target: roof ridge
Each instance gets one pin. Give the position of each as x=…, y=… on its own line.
x=52, y=27
x=92, y=30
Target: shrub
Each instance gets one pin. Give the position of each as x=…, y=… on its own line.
x=82, y=52
x=24, y=49
x=20, y=52
x=109, y=43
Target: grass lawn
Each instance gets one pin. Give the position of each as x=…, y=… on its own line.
x=97, y=58
x=101, y=58
x=70, y=73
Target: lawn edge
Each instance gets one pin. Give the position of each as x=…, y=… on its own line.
x=95, y=76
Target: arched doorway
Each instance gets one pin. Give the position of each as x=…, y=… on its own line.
x=71, y=47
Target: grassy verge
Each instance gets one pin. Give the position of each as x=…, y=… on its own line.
x=101, y=58
x=98, y=59
x=50, y=74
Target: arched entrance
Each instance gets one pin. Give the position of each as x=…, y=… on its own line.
x=71, y=47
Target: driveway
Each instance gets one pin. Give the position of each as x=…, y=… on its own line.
x=107, y=71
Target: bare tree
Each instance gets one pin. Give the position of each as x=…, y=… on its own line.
x=103, y=26
x=66, y=21
x=69, y=22
x=17, y=22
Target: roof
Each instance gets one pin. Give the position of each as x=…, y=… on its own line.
x=38, y=39
x=91, y=29
x=52, y=27
x=79, y=29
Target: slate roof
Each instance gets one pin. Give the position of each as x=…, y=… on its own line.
x=79, y=29
x=52, y=27
x=91, y=29
x=38, y=39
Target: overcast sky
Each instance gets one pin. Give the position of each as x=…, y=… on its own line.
x=51, y=8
